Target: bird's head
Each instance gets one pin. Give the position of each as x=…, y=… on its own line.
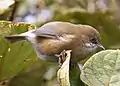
x=91, y=39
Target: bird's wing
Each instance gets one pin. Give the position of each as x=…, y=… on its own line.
x=46, y=32
x=47, y=35
x=63, y=37
x=55, y=30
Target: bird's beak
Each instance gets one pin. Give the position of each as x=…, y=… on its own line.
x=101, y=47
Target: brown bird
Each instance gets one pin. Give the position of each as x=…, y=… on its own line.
x=54, y=37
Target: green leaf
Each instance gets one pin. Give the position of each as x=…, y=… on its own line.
x=32, y=76
x=74, y=77
x=102, y=69
x=14, y=57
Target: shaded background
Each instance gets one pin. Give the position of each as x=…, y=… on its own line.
x=101, y=14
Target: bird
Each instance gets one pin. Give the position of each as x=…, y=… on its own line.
x=52, y=38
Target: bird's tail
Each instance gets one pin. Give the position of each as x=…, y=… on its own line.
x=20, y=37
x=14, y=38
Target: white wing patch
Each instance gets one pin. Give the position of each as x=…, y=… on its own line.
x=66, y=38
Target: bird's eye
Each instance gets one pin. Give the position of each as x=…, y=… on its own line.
x=94, y=41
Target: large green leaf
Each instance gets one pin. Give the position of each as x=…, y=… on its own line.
x=14, y=57
x=102, y=69
x=40, y=73
x=32, y=76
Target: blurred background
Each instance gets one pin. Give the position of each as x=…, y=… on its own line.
x=101, y=14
